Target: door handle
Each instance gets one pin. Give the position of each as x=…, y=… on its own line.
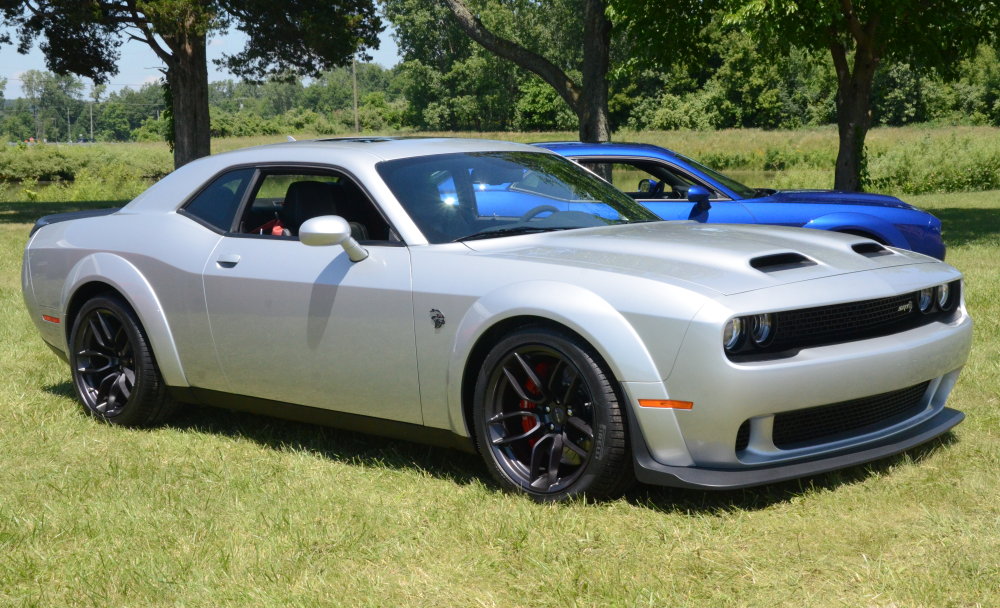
x=228, y=260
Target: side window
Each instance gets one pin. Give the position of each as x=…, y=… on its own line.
x=645, y=180
x=283, y=200
x=217, y=204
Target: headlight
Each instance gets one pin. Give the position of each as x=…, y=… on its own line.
x=732, y=335
x=943, y=291
x=948, y=295
x=926, y=299
x=762, y=329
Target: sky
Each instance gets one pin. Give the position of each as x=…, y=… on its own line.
x=139, y=65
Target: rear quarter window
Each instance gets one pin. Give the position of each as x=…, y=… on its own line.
x=218, y=203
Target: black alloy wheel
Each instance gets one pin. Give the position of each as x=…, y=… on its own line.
x=547, y=418
x=113, y=368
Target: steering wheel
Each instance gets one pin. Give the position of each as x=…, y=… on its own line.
x=530, y=213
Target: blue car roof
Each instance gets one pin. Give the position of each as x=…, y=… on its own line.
x=612, y=148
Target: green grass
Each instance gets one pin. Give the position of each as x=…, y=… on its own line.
x=227, y=509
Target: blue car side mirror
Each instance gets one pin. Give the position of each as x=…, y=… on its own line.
x=700, y=195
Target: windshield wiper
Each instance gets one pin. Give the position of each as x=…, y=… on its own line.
x=492, y=232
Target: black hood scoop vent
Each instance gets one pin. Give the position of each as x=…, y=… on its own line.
x=781, y=261
x=870, y=250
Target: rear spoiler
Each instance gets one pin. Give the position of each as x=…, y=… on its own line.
x=55, y=218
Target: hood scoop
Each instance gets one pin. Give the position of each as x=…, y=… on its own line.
x=870, y=250
x=781, y=261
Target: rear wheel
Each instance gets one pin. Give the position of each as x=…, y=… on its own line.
x=113, y=368
x=547, y=418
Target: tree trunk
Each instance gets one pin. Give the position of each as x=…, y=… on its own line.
x=853, y=122
x=187, y=76
x=593, y=104
x=854, y=96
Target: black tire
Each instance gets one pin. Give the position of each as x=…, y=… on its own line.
x=114, y=371
x=547, y=418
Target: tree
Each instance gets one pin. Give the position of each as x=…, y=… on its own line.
x=55, y=103
x=587, y=94
x=296, y=36
x=860, y=35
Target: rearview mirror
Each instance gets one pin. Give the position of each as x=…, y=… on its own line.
x=327, y=230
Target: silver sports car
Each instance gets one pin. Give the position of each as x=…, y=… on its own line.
x=577, y=343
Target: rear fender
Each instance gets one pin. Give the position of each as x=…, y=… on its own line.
x=125, y=278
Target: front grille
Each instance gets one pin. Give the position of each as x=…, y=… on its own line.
x=838, y=323
x=844, y=322
x=825, y=423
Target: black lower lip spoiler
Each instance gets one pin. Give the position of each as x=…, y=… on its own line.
x=649, y=471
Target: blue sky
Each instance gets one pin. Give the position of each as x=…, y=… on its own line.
x=140, y=65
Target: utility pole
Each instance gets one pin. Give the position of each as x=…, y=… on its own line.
x=69, y=128
x=91, y=106
x=354, y=80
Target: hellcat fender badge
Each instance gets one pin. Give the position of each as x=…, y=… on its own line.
x=437, y=318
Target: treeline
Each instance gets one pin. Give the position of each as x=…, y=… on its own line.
x=469, y=89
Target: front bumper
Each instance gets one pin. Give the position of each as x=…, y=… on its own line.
x=647, y=470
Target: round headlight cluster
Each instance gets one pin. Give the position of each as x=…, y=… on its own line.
x=758, y=330
x=943, y=298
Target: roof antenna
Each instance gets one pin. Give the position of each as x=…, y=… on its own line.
x=290, y=138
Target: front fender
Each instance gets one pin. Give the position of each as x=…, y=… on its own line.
x=861, y=222
x=575, y=307
x=120, y=274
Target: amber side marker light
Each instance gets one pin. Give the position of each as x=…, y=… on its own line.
x=50, y=318
x=666, y=403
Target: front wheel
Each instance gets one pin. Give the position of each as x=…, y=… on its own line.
x=547, y=418
x=113, y=368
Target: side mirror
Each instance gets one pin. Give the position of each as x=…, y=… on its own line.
x=645, y=185
x=331, y=230
x=700, y=195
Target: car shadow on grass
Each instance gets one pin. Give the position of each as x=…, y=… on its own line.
x=462, y=468
x=26, y=212
x=969, y=226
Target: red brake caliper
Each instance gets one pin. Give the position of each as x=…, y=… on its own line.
x=527, y=423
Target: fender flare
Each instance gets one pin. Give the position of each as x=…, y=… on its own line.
x=861, y=222
x=120, y=274
x=577, y=308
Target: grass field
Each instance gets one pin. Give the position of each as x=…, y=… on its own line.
x=225, y=509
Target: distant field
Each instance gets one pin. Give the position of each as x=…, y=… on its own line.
x=908, y=160
x=226, y=509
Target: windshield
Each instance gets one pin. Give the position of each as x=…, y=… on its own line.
x=490, y=194
x=740, y=189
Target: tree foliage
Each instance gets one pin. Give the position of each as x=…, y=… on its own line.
x=83, y=37
x=860, y=36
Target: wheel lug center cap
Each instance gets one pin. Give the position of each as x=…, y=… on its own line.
x=559, y=415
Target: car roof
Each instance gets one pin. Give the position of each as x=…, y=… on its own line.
x=577, y=148
x=389, y=148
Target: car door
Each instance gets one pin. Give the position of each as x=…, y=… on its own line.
x=662, y=188
x=305, y=325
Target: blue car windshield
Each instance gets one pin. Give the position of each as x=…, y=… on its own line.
x=464, y=196
x=740, y=189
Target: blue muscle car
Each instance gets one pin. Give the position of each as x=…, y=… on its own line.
x=678, y=188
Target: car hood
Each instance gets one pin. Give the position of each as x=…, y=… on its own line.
x=835, y=197
x=725, y=258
